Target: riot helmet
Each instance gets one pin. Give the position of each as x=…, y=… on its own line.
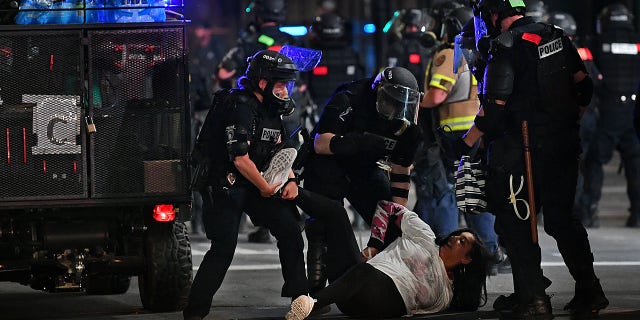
x=397, y=95
x=614, y=17
x=280, y=73
x=537, y=10
x=268, y=10
x=328, y=27
x=455, y=20
x=483, y=9
x=415, y=22
x=564, y=21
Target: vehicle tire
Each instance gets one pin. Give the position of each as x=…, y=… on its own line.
x=107, y=284
x=166, y=280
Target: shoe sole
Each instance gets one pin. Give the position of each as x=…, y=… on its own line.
x=303, y=304
x=279, y=167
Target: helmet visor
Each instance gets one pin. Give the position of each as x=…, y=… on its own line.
x=481, y=29
x=464, y=50
x=398, y=102
x=283, y=90
x=303, y=58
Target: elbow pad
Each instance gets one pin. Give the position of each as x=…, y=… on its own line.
x=585, y=91
x=498, y=80
x=237, y=141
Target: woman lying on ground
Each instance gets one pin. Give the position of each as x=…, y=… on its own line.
x=415, y=274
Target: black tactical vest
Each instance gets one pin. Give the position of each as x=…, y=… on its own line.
x=338, y=65
x=617, y=54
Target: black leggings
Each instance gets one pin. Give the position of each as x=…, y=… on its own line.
x=357, y=288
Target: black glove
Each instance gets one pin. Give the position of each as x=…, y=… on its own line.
x=353, y=143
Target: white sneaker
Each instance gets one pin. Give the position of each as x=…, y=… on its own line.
x=300, y=308
x=279, y=167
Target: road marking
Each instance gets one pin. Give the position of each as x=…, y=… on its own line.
x=243, y=251
x=251, y=267
x=597, y=263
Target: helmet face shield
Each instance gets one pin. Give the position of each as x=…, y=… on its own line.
x=463, y=52
x=398, y=102
x=283, y=89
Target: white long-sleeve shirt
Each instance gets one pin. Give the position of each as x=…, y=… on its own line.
x=413, y=263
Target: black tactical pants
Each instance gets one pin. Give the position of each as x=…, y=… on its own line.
x=555, y=165
x=221, y=224
x=363, y=192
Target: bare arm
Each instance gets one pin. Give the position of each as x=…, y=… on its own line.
x=249, y=170
x=434, y=97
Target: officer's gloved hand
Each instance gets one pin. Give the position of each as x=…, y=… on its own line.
x=371, y=145
x=352, y=143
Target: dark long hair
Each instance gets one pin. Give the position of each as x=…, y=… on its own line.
x=469, y=280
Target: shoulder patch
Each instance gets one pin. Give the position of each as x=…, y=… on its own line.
x=531, y=37
x=550, y=48
x=439, y=60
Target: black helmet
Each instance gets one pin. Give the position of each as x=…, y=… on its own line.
x=269, y=10
x=564, y=21
x=415, y=22
x=455, y=20
x=439, y=12
x=273, y=67
x=398, y=95
x=614, y=17
x=537, y=10
x=504, y=8
x=328, y=26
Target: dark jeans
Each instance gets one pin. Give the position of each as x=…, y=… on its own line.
x=221, y=225
x=555, y=173
x=357, y=288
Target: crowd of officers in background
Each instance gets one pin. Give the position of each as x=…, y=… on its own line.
x=422, y=41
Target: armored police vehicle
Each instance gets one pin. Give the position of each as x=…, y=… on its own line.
x=94, y=180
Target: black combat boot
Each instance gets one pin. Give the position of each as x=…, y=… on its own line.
x=588, y=300
x=538, y=308
x=508, y=302
x=316, y=255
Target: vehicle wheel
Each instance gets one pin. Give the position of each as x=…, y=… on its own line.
x=166, y=280
x=107, y=284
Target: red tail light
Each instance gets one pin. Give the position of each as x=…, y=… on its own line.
x=320, y=71
x=164, y=213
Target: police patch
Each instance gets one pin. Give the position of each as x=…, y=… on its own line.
x=550, y=48
x=439, y=60
x=271, y=135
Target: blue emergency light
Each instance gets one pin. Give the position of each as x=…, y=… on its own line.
x=369, y=28
x=295, y=31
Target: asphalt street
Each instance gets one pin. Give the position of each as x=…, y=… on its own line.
x=252, y=286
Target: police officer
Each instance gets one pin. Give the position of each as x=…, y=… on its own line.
x=616, y=54
x=535, y=74
x=263, y=34
x=588, y=122
x=365, y=142
x=340, y=62
x=452, y=90
x=537, y=10
x=244, y=131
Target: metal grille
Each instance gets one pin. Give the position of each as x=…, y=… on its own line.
x=40, y=90
x=137, y=99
